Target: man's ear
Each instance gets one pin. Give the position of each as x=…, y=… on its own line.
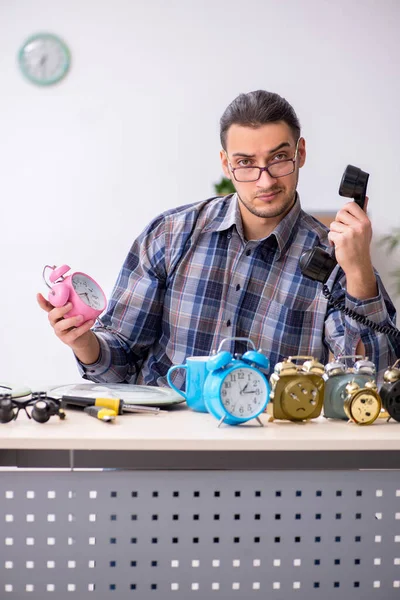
x=302, y=152
x=224, y=163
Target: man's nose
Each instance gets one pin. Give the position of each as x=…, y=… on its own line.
x=265, y=179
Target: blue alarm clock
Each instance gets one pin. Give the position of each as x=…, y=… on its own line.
x=235, y=390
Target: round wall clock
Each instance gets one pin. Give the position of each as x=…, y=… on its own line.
x=44, y=59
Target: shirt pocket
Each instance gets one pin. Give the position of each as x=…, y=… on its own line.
x=283, y=331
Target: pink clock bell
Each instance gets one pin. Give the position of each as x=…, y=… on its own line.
x=86, y=296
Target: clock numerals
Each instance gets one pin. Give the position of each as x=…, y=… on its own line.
x=243, y=392
x=87, y=291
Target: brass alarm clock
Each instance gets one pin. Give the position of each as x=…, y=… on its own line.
x=338, y=377
x=297, y=390
x=362, y=404
x=390, y=391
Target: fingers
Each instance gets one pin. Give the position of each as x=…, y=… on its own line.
x=43, y=303
x=350, y=213
x=71, y=334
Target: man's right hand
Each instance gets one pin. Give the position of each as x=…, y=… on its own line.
x=72, y=331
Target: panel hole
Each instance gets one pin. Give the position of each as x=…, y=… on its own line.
x=174, y=563
x=50, y=587
x=93, y=494
x=257, y=494
x=195, y=586
x=51, y=494
x=9, y=541
x=215, y=585
x=216, y=563
x=155, y=494
x=278, y=493
x=92, y=541
x=257, y=562
x=378, y=539
x=195, y=563
x=237, y=494
x=71, y=494
x=9, y=564
x=9, y=518
x=9, y=494
x=30, y=541
x=298, y=493
x=196, y=494
x=359, y=493
x=154, y=563
x=71, y=564
x=236, y=585
x=357, y=561
x=113, y=494
x=30, y=564
x=217, y=494
x=175, y=517
x=51, y=564
x=276, y=562
x=377, y=561
x=174, y=587
x=30, y=494
x=133, y=563
x=134, y=494
x=337, y=561
x=338, y=492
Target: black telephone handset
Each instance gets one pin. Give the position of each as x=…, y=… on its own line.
x=317, y=264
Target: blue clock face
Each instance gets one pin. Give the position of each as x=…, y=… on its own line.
x=243, y=392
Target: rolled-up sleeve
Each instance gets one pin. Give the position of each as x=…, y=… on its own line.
x=343, y=333
x=132, y=320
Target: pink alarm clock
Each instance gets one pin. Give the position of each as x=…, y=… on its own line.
x=86, y=296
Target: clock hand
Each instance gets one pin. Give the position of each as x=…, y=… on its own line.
x=242, y=390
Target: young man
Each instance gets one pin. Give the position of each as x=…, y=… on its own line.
x=230, y=267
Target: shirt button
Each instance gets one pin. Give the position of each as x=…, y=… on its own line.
x=248, y=252
x=238, y=287
x=228, y=323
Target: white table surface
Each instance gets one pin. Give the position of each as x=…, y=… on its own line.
x=182, y=429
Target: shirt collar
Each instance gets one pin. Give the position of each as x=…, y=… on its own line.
x=283, y=232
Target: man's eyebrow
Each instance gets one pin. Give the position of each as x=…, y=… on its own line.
x=272, y=151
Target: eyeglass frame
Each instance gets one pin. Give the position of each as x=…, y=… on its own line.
x=261, y=169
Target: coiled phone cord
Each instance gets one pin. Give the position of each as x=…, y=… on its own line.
x=387, y=329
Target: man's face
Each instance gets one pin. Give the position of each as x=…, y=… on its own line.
x=269, y=197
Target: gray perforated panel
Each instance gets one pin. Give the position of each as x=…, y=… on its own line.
x=204, y=534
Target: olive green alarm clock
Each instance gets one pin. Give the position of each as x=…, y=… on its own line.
x=297, y=391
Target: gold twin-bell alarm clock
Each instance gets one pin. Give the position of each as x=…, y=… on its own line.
x=362, y=403
x=297, y=391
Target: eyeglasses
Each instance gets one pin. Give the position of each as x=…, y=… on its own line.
x=43, y=407
x=279, y=168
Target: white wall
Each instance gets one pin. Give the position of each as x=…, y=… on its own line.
x=133, y=130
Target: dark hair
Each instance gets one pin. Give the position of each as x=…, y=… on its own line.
x=258, y=108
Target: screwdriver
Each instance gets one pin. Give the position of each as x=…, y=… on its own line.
x=99, y=412
x=115, y=404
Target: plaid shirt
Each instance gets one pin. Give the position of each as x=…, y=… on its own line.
x=191, y=279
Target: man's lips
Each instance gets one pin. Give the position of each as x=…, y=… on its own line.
x=268, y=196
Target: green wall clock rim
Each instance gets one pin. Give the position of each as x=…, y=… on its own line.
x=66, y=51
